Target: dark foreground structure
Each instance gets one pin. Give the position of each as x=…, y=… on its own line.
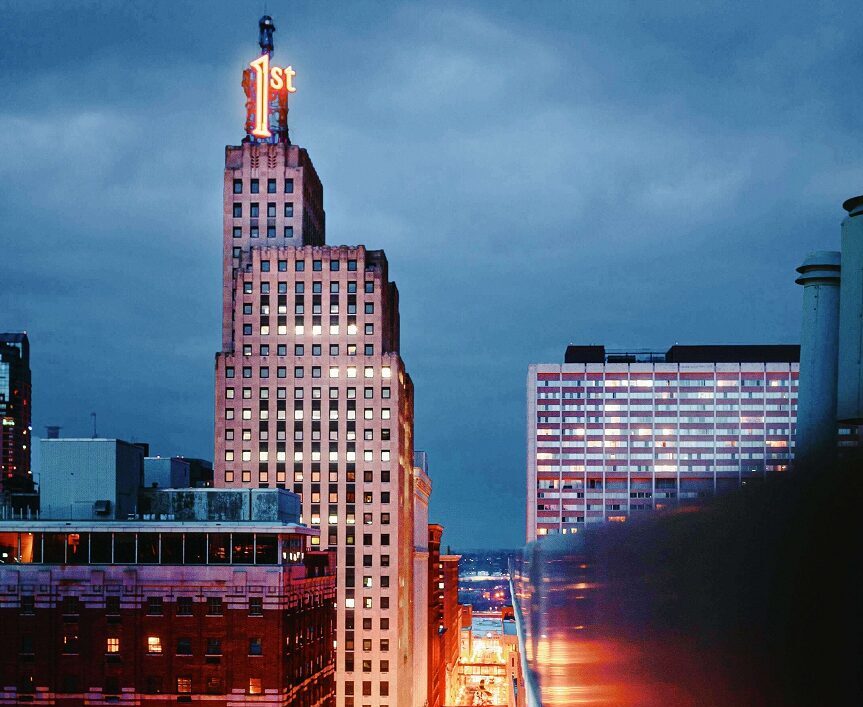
x=750, y=600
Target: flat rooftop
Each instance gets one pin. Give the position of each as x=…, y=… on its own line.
x=711, y=353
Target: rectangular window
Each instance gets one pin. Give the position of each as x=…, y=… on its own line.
x=271, y=231
x=184, y=684
x=255, y=186
x=154, y=645
x=112, y=645
x=255, y=686
x=238, y=209
x=256, y=606
x=214, y=646
x=184, y=646
x=238, y=186
x=152, y=685
x=289, y=231
x=154, y=606
x=184, y=606
x=214, y=606
x=214, y=685
x=289, y=209
x=112, y=685
x=271, y=186
x=289, y=186
x=238, y=232
x=256, y=646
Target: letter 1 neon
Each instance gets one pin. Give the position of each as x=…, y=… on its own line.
x=261, y=67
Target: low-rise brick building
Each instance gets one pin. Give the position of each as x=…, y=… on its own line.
x=164, y=611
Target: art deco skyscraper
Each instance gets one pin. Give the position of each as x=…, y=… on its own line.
x=311, y=393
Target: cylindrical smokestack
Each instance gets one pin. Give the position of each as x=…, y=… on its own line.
x=819, y=344
x=850, y=385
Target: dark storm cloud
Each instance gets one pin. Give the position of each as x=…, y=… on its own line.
x=620, y=173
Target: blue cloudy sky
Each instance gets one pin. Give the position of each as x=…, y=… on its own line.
x=634, y=174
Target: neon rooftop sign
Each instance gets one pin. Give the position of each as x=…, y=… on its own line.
x=268, y=78
x=267, y=87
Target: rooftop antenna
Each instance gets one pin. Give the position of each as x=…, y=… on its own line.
x=265, y=35
x=93, y=415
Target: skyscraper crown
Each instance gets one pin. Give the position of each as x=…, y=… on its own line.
x=267, y=86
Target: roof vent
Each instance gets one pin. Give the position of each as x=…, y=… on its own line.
x=102, y=507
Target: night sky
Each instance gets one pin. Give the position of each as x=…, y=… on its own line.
x=633, y=174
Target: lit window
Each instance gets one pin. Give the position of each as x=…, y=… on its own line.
x=255, y=687
x=184, y=685
x=154, y=644
x=369, y=372
x=386, y=372
x=112, y=645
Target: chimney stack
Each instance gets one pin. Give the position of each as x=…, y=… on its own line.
x=819, y=342
x=850, y=381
